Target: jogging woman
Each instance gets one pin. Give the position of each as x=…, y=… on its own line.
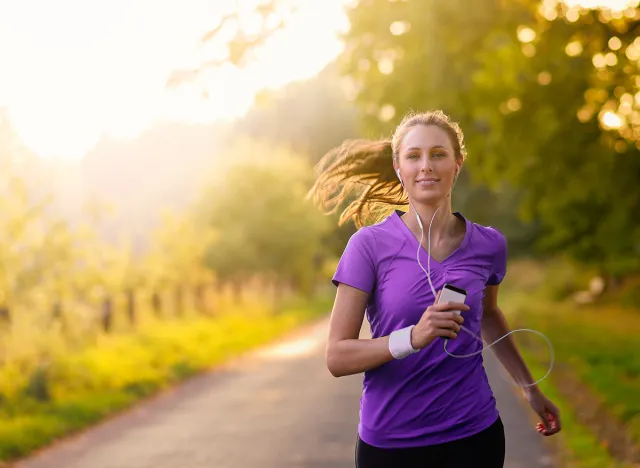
x=420, y=406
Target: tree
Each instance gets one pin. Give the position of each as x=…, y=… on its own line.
x=310, y=117
x=236, y=34
x=527, y=82
x=265, y=227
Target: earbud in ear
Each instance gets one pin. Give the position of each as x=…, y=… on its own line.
x=399, y=178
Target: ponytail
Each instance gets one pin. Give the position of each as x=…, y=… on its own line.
x=359, y=168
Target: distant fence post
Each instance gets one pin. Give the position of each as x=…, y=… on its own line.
x=156, y=303
x=5, y=314
x=57, y=314
x=131, y=307
x=107, y=314
x=179, y=301
x=198, y=294
x=56, y=311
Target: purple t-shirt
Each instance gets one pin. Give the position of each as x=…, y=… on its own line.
x=429, y=397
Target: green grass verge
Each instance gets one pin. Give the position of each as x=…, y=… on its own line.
x=599, y=345
x=121, y=370
x=580, y=448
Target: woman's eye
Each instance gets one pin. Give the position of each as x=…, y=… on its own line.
x=439, y=155
x=413, y=156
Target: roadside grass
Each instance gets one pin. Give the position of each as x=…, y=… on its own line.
x=76, y=389
x=596, y=348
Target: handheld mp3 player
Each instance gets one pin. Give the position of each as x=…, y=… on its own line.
x=450, y=293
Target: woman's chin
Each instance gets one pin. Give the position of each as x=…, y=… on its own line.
x=433, y=198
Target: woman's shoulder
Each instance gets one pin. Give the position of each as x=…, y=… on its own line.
x=487, y=235
x=377, y=237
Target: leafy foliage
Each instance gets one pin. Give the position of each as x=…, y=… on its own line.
x=539, y=108
x=264, y=225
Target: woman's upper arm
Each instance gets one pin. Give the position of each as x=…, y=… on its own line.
x=490, y=300
x=348, y=313
x=355, y=278
x=498, y=272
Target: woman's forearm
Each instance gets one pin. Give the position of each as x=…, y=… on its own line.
x=494, y=326
x=354, y=356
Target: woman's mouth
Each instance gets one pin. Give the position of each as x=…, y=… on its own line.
x=427, y=181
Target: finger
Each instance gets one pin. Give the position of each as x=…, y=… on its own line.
x=447, y=325
x=438, y=296
x=446, y=306
x=452, y=316
x=541, y=429
x=545, y=424
x=544, y=421
x=446, y=333
x=453, y=326
x=556, y=415
x=443, y=306
x=553, y=415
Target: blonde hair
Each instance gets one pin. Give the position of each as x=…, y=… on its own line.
x=365, y=167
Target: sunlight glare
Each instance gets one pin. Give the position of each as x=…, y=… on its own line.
x=611, y=120
x=614, y=5
x=70, y=78
x=292, y=349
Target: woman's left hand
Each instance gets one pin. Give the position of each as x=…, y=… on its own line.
x=548, y=412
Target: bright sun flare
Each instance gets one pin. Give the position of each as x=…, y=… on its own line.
x=74, y=70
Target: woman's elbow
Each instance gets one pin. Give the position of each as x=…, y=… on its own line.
x=333, y=362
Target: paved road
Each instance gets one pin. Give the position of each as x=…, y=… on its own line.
x=276, y=408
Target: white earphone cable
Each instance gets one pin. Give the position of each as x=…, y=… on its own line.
x=428, y=273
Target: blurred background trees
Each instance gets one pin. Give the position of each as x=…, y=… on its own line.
x=547, y=95
x=195, y=204
x=546, y=92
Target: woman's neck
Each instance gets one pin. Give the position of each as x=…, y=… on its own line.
x=444, y=223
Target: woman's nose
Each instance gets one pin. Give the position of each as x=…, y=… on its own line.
x=426, y=164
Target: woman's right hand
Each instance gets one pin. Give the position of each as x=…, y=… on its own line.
x=438, y=320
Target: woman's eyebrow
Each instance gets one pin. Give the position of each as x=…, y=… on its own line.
x=415, y=148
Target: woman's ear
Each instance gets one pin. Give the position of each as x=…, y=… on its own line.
x=396, y=169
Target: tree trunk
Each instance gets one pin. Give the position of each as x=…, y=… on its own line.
x=179, y=301
x=156, y=304
x=198, y=294
x=5, y=314
x=237, y=291
x=107, y=315
x=131, y=307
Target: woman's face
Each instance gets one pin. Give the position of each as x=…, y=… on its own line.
x=427, y=164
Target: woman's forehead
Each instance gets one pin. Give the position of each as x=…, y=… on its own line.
x=426, y=137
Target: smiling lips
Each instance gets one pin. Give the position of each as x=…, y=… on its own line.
x=427, y=181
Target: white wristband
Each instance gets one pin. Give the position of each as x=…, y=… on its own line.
x=400, y=343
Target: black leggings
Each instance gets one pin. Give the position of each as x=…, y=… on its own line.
x=485, y=449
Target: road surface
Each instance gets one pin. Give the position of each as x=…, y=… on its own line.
x=275, y=408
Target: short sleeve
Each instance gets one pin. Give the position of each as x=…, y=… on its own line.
x=499, y=259
x=357, y=266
